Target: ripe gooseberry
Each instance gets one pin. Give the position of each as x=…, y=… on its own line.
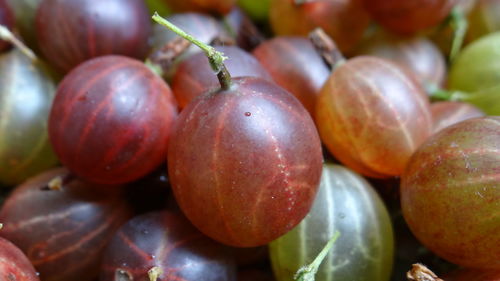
x=111, y=120
x=71, y=32
x=447, y=113
x=7, y=20
x=14, y=265
x=244, y=160
x=449, y=193
x=219, y=7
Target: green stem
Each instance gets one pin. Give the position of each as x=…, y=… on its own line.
x=215, y=58
x=444, y=95
x=307, y=273
x=7, y=35
x=459, y=25
x=154, y=273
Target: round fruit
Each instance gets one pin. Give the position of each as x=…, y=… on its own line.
x=70, y=32
x=62, y=224
x=447, y=113
x=245, y=162
x=372, y=116
x=346, y=203
x=111, y=120
x=26, y=94
x=450, y=193
x=220, y=7
x=14, y=265
x=6, y=19
x=168, y=242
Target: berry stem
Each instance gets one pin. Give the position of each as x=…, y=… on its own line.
x=7, y=35
x=327, y=48
x=215, y=58
x=460, y=25
x=307, y=273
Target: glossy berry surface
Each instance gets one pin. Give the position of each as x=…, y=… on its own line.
x=219, y=7
x=372, y=116
x=447, y=113
x=346, y=203
x=449, y=193
x=64, y=230
x=26, y=94
x=245, y=163
x=6, y=19
x=409, y=16
x=70, y=32
x=111, y=120
x=169, y=242
x=345, y=20
x=194, y=76
x=295, y=65
x=14, y=265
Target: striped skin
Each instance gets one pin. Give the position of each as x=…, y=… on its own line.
x=14, y=265
x=194, y=75
x=417, y=54
x=346, y=203
x=111, y=120
x=6, y=19
x=372, y=116
x=344, y=20
x=245, y=163
x=450, y=193
x=408, y=16
x=447, y=113
x=63, y=232
x=168, y=241
x=26, y=94
x=70, y=32
x=295, y=65
x=218, y=7
x=473, y=275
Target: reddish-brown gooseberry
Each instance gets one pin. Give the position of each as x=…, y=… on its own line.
x=14, y=265
x=372, y=116
x=169, y=243
x=73, y=31
x=344, y=20
x=245, y=162
x=408, y=16
x=111, y=120
x=194, y=76
x=220, y=7
x=450, y=193
x=62, y=224
x=295, y=65
x=447, y=113
x=7, y=20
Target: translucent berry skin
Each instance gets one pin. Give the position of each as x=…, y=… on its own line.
x=194, y=76
x=219, y=7
x=167, y=241
x=14, y=265
x=344, y=20
x=26, y=94
x=295, y=65
x=447, y=113
x=409, y=16
x=450, y=193
x=111, y=120
x=372, y=116
x=245, y=163
x=6, y=19
x=70, y=32
x=62, y=231
x=473, y=275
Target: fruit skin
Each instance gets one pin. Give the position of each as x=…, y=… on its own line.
x=6, y=19
x=70, y=32
x=295, y=65
x=194, y=76
x=168, y=241
x=372, y=116
x=218, y=7
x=26, y=94
x=111, y=120
x=347, y=203
x=447, y=113
x=450, y=193
x=24, y=12
x=408, y=16
x=245, y=163
x=345, y=20
x=14, y=265
x=63, y=231
x=257, y=10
